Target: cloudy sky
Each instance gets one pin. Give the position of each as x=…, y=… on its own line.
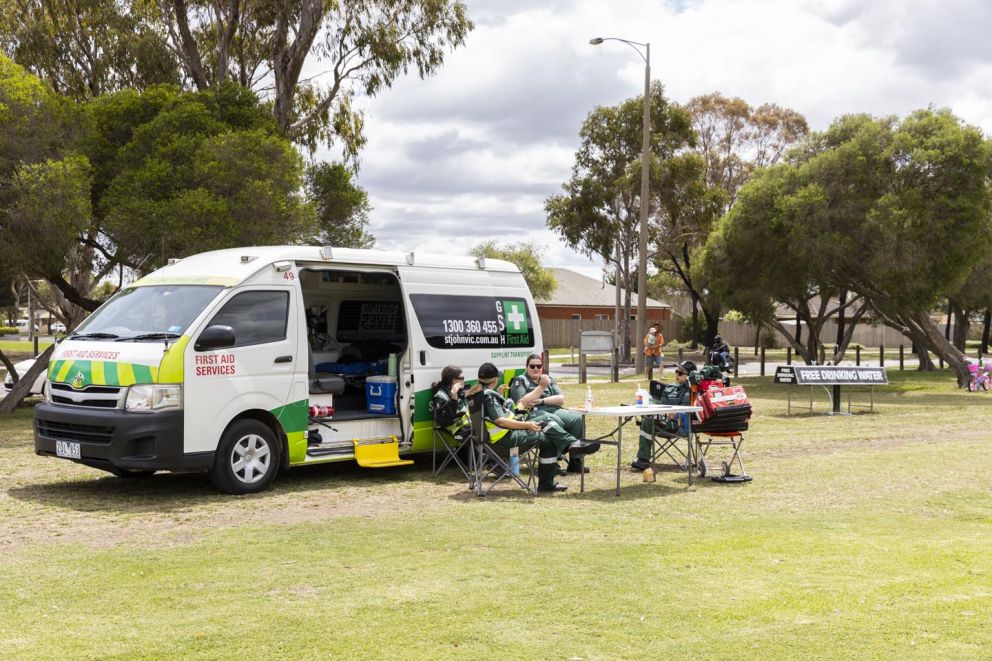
x=472, y=153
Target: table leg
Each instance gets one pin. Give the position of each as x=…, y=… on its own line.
x=619, y=450
x=690, y=459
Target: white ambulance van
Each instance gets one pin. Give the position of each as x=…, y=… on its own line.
x=243, y=362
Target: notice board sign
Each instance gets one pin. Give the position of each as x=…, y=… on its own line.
x=831, y=375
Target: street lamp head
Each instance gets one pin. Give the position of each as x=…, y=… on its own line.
x=596, y=41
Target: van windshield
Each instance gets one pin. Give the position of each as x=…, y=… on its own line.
x=149, y=313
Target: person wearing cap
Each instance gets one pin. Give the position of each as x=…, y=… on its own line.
x=677, y=394
x=653, y=342
x=538, y=393
x=505, y=431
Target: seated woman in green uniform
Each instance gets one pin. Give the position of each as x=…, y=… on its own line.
x=506, y=431
x=448, y=405
x=675, y=394
x=538, y=393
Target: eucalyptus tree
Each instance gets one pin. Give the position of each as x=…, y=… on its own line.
x=895, y=211
x=598, y=212
x=309, y=58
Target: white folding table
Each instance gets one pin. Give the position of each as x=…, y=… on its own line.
x=625, y=414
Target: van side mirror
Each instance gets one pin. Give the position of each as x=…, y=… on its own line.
x=215, y=337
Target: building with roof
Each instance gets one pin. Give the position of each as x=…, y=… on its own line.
x=580, y=297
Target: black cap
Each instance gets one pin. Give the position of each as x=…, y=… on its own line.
x=686, y=366
x=488, y=371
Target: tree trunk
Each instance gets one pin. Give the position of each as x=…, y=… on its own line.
x=926, y=364
x=10, y=367
x=947, y=328
x=985, y=331
x=800, y=348
x=757, y=338
x=841, y=316
x=22, y=388
x=961, y=327
x=695, y=324
x=712, y=325
x=843, y=341
x=920, y=323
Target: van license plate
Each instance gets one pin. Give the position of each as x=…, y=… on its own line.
x=67, y=450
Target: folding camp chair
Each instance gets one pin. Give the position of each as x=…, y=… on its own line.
x=667, y=443
x=726, y=412
x=489, y=462
x=453, y=446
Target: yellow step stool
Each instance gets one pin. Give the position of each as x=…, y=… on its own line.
x=379, y=452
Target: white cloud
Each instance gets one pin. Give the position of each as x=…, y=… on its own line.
x=472, y=153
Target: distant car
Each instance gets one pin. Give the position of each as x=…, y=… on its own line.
x=56, y=327
x=22, y=326
x=22, y=368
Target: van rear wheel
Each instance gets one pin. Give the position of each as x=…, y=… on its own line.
x=247, y=458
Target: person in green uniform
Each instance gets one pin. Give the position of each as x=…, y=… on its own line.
x=506, y=432
x=676, y=394
x=448, y=405
x=538, y=393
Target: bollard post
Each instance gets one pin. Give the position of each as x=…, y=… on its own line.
x=35, y=346
x=615, y=372
x=680, y=354
x=857, y=356
x=881, y=355
x=762, y=361
x=788, y=355
x=902, y=358
x=546, y=360
x=737, y=360
x=940, y=359
x=582, y=367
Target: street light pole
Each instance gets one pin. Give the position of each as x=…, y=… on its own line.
x=642, y=245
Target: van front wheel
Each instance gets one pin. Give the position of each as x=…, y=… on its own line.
x=247, y=458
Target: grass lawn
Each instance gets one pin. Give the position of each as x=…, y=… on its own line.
x=17, y=351
x=866, y=536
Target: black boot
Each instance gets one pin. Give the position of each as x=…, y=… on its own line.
x=575, y=465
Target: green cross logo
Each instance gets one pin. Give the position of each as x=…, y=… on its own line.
x=515, y=317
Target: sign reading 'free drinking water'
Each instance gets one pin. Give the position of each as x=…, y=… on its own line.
x=471, y=322
x=831, y=375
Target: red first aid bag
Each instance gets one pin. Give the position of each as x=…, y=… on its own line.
x=724, y=409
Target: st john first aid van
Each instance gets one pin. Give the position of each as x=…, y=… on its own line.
x=243, y=362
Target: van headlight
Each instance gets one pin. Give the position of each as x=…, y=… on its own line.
x=154, y=397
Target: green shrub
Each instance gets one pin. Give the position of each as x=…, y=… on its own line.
x=769, y=340
x=8, y=330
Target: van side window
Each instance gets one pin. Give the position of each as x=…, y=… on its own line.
x=256, y=317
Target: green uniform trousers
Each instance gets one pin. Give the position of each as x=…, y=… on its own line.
x=554, y=441
x=645, y=444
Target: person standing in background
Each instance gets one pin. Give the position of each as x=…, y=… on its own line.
x=653, y=342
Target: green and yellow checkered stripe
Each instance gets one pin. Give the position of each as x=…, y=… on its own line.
x=100, y=373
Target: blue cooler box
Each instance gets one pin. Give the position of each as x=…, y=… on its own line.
x=380, y=394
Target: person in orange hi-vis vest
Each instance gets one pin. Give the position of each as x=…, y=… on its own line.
x=653, y=342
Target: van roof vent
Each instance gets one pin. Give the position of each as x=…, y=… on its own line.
x=248, y=258
x=327, y=252
x=409, y=258
x=174, y=260
x=480, y=262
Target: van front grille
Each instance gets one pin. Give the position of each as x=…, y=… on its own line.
x=73, y=431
